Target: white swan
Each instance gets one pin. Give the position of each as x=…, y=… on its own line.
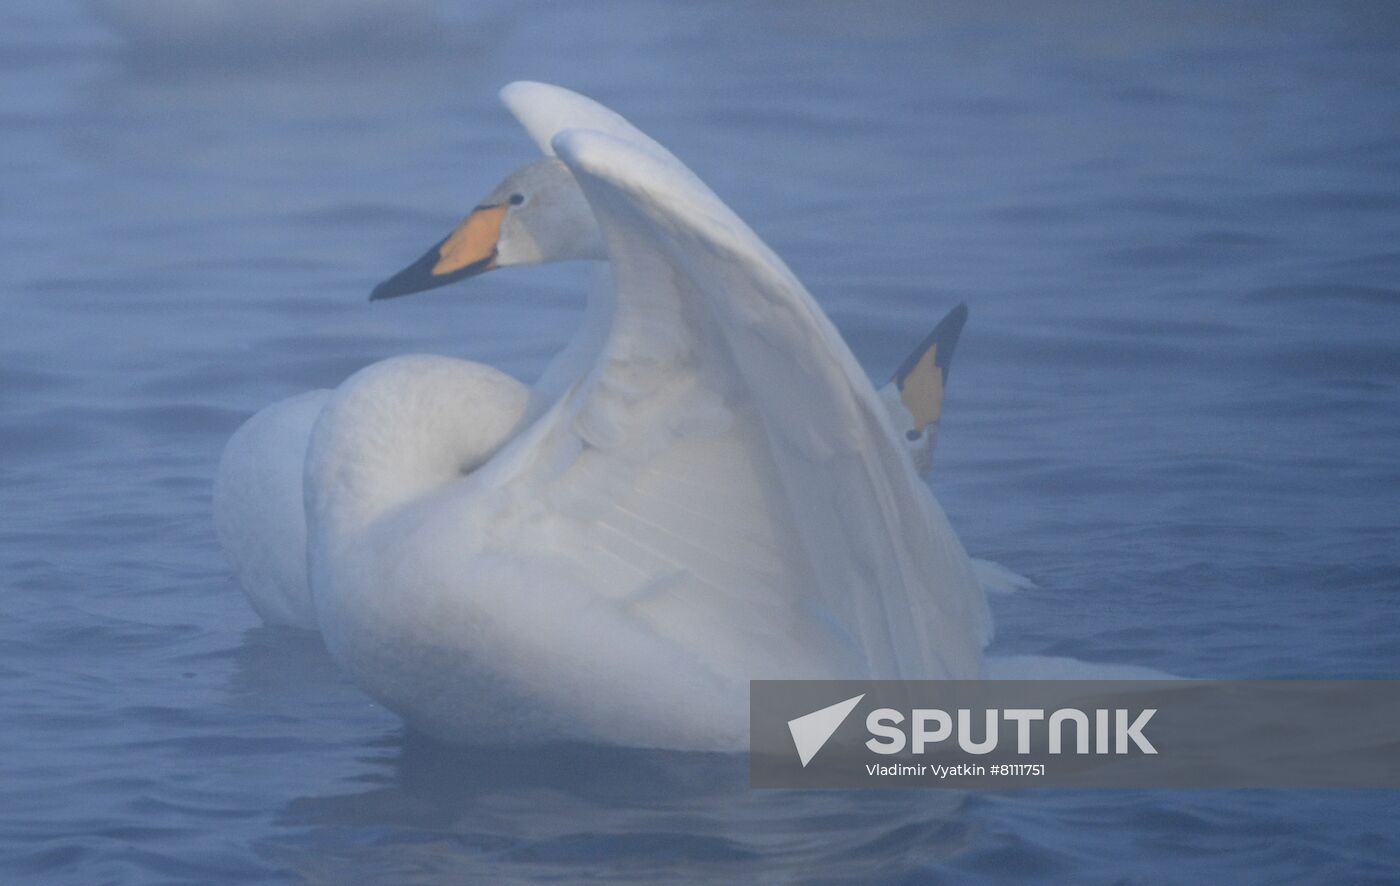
x=702, y=489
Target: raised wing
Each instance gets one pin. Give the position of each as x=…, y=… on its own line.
x=725, y=453
x=546, y=110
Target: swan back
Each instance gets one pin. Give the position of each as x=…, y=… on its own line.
x=400, y=429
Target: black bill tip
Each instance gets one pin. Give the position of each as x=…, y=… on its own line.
x=945, y=336
x=419, y=276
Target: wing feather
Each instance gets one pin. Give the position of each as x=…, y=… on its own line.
x=723, y=467
x=887, y=564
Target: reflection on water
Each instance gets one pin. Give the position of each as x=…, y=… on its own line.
x=488, y=813
x=1175, y=404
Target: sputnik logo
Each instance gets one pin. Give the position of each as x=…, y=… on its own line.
x=810, y=732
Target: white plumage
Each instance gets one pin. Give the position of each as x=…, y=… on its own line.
x=705, y=488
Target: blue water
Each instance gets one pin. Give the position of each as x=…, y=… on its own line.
x=1176, y=406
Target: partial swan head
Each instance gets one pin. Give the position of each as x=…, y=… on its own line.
x=537, y=215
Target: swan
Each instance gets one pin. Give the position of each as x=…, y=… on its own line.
x=703, y=488
x=260, y=516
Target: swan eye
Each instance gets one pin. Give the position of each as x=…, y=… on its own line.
x=912, y=436
x=517, y=199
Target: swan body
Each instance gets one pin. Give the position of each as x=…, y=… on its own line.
x=259, y=514
x=703, y=489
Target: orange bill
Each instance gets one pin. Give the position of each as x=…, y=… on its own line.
x=923, y=375
x=467, y=251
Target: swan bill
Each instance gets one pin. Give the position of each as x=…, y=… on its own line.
x=467, y=251
x=924, y=373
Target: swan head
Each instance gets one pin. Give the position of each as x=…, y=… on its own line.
x=537, y=215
